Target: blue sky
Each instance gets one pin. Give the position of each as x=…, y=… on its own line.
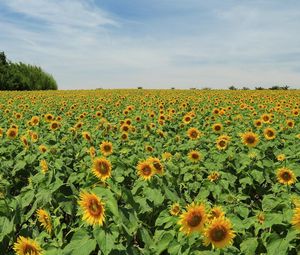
x=87, y=44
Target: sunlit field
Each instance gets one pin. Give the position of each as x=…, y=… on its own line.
x=149, y=172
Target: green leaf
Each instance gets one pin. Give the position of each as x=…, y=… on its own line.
x=6, y=227
x=81, y=244
x=249, y=246
x=105, y=240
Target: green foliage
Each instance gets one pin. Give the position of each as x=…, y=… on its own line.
x=20, y=76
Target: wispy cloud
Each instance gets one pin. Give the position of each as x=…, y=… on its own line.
x=87, y=44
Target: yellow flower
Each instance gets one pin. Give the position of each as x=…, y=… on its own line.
x=193, y=219
x=286, y=176
x=194, y=156
x=193, y=133
x=214, y=176
x=145, y=170
x=296, y=218
x=175, y=209
x=269, y=133
x=44, y=166
x=27, y=246
x=106, y=148
x=101, y=168
x=157, y=165
x=280, y=157
x=250, y=139
x=45, y=219
x=219, y=233
x=93, y=208
x=12, y=133
x=216, y=212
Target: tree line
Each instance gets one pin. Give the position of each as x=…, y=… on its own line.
x=20, y=76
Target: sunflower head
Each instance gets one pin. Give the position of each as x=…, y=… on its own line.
x=92, y=207
x=217, y=127
x=43, y=148
x=280, y=157
x=175, y=209
x=27, y=246
x=101, y=168
x=216, y=212
x=194, y=156
x=106, y=148
x=12, y=133
x=219, y=233
x=296, y=218
x=250, y=139
x=260, y=217
x=193, y=133
x=44, y=166
x=286, y=176
x=214, y=176
x=87, y=136
x=193, y=219
x=145, y=170
x=221, y=144
x=157, y=165
x=269, y=133
x=45, y=219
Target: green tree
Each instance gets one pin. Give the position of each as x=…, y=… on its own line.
x=20, y=76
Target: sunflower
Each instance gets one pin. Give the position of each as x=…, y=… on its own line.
x=193, y=219
x=296, y=218
x=217, y=127
x=290, y=123
x=44, y=166
x=260, y=217
x=286, y=176
x=175, y=209
x=187, y=119
x=106, y=148
x=214, y=176
x=166, y=156
x=34, y=136
x=269, y=133
x=93, y=208
x=124, y=136
x=49, y=117
x=194, y=156
x=12, y=133
x=250, y=139
x=219, y=233
x=1, y=132
x=45, y=219
x=157, y=165
x=216, y=212
x=54, y=125
x=258, y=123
x=43, y=148
x=266, y=118
x=87, y=136
x=101, y=168
x=280, y=157
x=193, y=133
x=35, y=120
x=221, y=144
x=27, y=246
x=92, y=151
x=25, y=141
x=145, y=170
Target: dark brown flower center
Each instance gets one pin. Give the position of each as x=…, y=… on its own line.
x=222, y=143
x=286, y=176
x=146, y=170
x=29, y=250
x=107, y=148
x=103, y=168
x=218, y=234
x=95, y=208
x=195, y=220
x=250, y=139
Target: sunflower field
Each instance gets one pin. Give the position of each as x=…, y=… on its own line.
x=150, y=172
